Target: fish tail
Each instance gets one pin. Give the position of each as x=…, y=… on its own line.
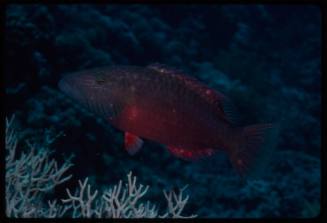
x=254, y=146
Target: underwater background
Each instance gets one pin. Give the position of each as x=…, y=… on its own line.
x=265, y=58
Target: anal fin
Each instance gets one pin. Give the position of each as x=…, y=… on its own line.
x=190, y=154
x=132, y=143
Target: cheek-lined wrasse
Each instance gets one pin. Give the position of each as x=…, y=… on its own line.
x=164, y=105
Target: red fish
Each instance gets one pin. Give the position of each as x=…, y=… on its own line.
x=164, y=105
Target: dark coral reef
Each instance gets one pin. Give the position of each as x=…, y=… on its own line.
x=267, y=59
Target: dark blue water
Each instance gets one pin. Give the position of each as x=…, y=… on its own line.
x=266, y=58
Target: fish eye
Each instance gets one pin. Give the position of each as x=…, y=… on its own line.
x=100, y=78
x=100, y=81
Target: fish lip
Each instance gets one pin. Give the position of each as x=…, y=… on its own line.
x=67, y=86
x=63, y=85
x=70, y=85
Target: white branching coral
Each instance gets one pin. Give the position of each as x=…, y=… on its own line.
x=123, y=202
x=176, y=204
x=31, y=174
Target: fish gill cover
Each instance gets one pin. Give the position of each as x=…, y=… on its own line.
x=264, y=58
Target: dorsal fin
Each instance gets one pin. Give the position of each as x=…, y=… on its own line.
x=223, y=104
x=164, y=69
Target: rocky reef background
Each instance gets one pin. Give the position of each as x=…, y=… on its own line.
x=266, y=58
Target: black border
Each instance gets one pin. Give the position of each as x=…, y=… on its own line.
x=320, y=3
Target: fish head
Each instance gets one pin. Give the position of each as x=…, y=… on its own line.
x=98, y=90
x=83, y=85
x=76, y=85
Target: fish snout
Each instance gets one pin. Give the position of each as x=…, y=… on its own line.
x=79, y=86
x=70, y=85
x=65, y=86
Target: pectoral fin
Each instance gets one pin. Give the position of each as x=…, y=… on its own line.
x=132, y=143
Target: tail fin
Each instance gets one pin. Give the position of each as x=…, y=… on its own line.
x=254, y=147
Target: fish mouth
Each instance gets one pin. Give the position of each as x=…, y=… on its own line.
x=64, y=86
x=67, y=86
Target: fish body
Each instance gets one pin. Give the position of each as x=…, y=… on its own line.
x=164, y=105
